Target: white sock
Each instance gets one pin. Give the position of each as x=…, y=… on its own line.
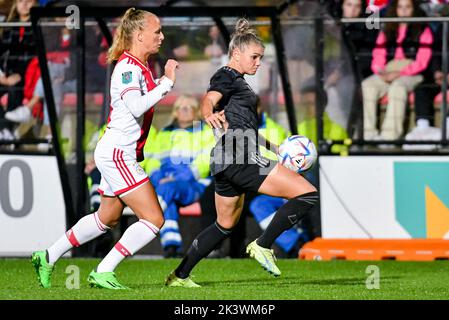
x=135, y=238
x=423, y=123
x=86, y=229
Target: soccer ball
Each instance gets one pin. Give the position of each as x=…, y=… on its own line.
x=297, y=153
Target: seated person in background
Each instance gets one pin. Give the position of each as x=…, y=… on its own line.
x=424, y=111
x=9, y=80
x=57, y=46
x=34, y=96
x=5, y=82
x=216, y=49
x=17, y=48
x=425, y=94
x=307, y=121
x=25, y=112
x=400, y=61
x=177, y=162
x=351, y=66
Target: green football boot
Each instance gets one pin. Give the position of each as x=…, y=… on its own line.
x=264, y=256
x=42, y=267
x=105, y=280
x=173, y=281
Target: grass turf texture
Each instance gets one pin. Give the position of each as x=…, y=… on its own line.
x=236, y=279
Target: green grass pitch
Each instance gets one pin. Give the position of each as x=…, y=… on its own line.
x=235, y=279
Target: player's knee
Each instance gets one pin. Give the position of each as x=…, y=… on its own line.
x=108, y=219
x=300, y=205
x=226, y=223
x=305, y=190
x=227, y=230
x=158, y=221
x=111, y=222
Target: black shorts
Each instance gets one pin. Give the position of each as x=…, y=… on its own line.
x=238, y=179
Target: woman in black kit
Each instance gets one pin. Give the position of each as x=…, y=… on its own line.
x=230, y=108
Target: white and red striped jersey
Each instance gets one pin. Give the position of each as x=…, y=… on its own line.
x=134, y=93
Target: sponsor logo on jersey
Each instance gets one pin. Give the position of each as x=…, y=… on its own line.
x=127, y=77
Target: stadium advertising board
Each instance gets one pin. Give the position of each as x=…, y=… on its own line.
x=32, y=208
x=385, y=197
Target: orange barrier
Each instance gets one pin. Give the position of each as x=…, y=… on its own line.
x=379, y=249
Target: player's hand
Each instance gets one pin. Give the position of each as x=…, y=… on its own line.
x=216, y=119
x=393, y=76
x=13, y=79
x=90, y=166
x=166, y=179
x=170, y=69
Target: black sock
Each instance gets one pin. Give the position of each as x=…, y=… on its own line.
x=203, y=244
x=287, y=216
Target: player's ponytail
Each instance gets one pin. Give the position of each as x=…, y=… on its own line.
x=132, y=20
x=243, y=36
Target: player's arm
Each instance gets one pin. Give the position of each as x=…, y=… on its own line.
x=137, y=103
x=213, y=119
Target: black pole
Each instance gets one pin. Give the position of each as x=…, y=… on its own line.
x=105, y=30
x=80, y=119
x=319, y=78
x=444, y=84
x=109, y=68
x=223, y=30
x=165, y=11
x=283, y=72
x=41, y=52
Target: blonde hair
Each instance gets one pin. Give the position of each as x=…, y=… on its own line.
x=189, y=100
x=13, y=14
x=132, y=20
x=243, y=36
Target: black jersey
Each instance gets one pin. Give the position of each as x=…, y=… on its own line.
x=239, y=144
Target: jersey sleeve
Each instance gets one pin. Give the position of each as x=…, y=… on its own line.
x=127, y=79
x=222, y=82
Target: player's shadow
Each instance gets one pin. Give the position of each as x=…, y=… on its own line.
x=344, y=281
x=267, y=282
x=288, y=281
x=277, y=282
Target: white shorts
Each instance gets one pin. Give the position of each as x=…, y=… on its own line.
x=120, y=172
